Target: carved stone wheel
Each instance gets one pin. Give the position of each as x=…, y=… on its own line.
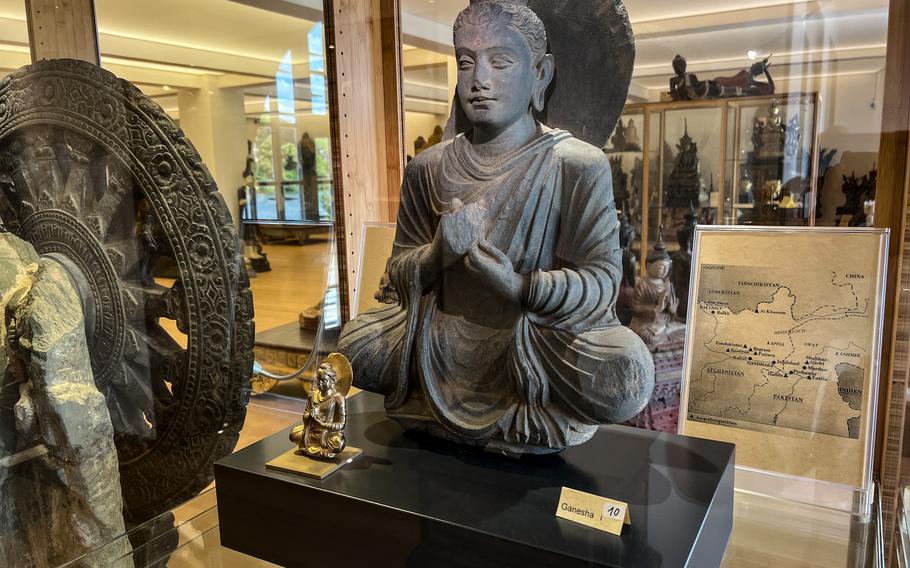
x=95, y=175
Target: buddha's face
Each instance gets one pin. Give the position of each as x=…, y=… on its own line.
x=325, y=377
x=679, y=65
x=497, y=75
x=659, y=269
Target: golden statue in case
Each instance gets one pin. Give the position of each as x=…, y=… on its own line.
x=322, y=433
x=321, y=447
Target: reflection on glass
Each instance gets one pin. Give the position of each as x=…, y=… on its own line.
x=624, y=150
x=775, y=161
x=293, y=210
x=429, y=72
x=14, y=46
x=233, y=74
x=266, y=203
x=264, y=154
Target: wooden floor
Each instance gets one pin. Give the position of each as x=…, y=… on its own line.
x=297, y=281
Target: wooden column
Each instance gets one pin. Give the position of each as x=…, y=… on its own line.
x=62, y=29
x=393, y=99
x=891, y=212
x=367, y=120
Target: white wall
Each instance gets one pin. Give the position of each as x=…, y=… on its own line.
x=316, y=125
x=214, y=120
x=848, y=120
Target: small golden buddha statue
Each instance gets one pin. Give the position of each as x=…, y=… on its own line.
x=322, y=433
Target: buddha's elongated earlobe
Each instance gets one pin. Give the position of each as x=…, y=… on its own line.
x=545, y=71
x=539, y=99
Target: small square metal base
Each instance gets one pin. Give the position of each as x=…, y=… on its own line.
x=295, y=461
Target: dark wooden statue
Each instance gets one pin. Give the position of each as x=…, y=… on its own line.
x=507, y=265
x=309, y=187
x=687, y=87
x=685, y=184
x=682, y=261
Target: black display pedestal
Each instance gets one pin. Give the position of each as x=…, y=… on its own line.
x=415, y=501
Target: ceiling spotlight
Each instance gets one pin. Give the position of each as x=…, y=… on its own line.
x=166, y=87
x=752, y=54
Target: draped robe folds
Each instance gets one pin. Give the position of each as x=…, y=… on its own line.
x=322, y=432
x=457, y=360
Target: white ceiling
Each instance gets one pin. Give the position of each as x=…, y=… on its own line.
x=445, y=11
x=808, y=39
x=213, y=26
x=440, y=11
x=177, y=42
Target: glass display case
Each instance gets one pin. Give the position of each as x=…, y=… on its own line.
x=750, y=160
x=129, y=190
x=774, y=161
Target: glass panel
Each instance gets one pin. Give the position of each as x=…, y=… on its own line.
x=624, y=150
x=161, y=299
x=264, y=155
x=693, y=154
x=429, y=72
x=734, y=200
x=266, y=203
x=775, y=161
x=14, y=50
x=291, y=170
x=246, y=81
x=782, y=102
x=293, y=210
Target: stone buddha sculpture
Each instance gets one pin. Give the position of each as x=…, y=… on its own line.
x=506, y=265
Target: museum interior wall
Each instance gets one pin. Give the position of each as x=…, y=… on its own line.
x=248, y=84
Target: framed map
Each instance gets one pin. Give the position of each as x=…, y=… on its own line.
x=783, y=345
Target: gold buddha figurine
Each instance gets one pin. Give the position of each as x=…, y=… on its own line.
x=322, y=433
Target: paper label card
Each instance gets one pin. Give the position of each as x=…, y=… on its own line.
x=591, y=510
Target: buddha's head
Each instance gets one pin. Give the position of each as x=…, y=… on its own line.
x=679, y=64
x=503, y=65
x=659, y=268
x=326, y=378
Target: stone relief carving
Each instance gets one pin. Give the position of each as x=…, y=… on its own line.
x=96, y=175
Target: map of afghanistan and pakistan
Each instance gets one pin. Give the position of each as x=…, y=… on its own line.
x=787, y=344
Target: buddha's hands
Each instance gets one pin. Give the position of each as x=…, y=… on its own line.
x=457, y=232
x=667, y=303
x=492, y=267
